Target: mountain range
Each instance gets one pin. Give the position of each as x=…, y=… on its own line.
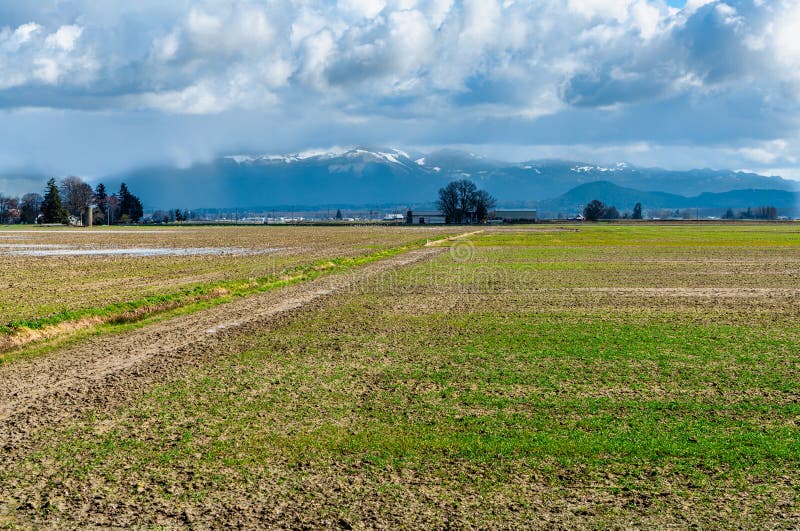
x=384, y=176
x=624, y=198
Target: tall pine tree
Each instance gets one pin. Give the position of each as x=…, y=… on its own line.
x=53, y=210
x=129, y=205
x=101, y=198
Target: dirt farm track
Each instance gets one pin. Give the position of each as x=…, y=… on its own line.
x=49, y=390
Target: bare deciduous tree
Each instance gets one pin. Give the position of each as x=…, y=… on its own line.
x=76, y=195
x=461, y=202
x=30, y=207
x=8, y=209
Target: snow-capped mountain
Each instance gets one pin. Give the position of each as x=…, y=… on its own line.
x=393, y=156
x=619, y=166
x=373, y=176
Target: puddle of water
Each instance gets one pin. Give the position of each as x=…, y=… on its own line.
x=89, y=231
x=30, y=246
x=60, y=250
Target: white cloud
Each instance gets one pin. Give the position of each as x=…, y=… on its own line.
x=769, y=152
x=244, y=30
x=362, y=8
x=196, y=99
x=485, y=53
x=307, y=23
x=317, y=49
x=786, y=42
x=47, y=69
x=647, y=18
x=202, y=24
x=412, y=39
x=30, y=55
x=791, y=172
x=437, y=11
x=11, y=42
x=694, y=5
x=761, y=155
x=728, y=13
x=166, y=48
x=64, y=38
x=724, y=71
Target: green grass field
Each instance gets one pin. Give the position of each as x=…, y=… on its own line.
x=595, y=376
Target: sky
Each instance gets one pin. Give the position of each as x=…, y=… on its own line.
x=93, y=88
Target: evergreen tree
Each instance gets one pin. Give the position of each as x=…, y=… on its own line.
x=53, y=210
x=339, y=213
x=101, y=198
x=129, y=205
x=637, y=211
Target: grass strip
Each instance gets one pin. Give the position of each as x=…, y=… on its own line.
x=225, y=291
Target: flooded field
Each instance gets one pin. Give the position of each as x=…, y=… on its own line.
x=72, y=250
x=50, y=271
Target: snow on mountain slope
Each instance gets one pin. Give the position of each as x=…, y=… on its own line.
x=361, y=175
x=620, y=166
x=394, y=156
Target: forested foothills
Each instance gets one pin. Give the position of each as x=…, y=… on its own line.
x=66, y=201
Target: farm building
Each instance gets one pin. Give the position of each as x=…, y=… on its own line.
x=436, y=217
x=515, y=215
x=426, y=217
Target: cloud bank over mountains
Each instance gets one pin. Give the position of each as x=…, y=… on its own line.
x=93, y=87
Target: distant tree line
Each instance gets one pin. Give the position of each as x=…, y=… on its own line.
x=172, y=216
x=66, y=201
x=763, y=212
x=595, y=210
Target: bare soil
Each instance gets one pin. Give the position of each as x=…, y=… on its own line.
x=697, y=292
x=46, y=391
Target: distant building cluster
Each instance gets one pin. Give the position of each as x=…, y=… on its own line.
x=437, y=217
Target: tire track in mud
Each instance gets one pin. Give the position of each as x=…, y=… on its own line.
x=103, y=371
